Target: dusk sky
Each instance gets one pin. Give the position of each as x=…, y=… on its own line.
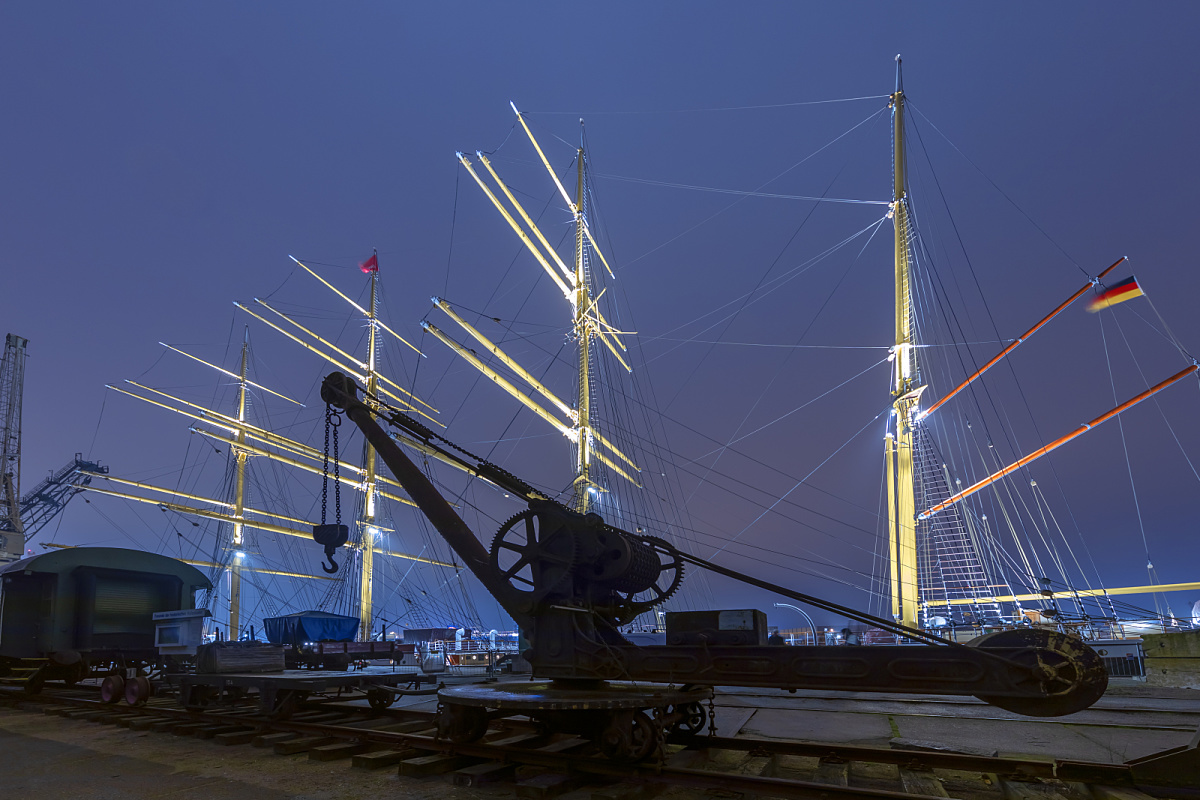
x=163, y=160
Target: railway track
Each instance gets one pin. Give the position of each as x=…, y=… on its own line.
x=1165, y=716
x=516, y=759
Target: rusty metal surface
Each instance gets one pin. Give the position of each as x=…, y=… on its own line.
x=548, y=696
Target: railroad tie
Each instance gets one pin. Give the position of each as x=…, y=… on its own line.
x=833, y=771
x=1118, y=793
x=922, y=781
x=1030, y=790
x=236, y=737
x=269, y=739
x=436, y=764
x=483, y=774
x=379, y=759
x=209, y=731
x=301, y=745
x=549, y=784
x=336, y=751
x=165, y=725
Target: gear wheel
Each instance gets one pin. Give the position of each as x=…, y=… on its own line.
x=629, y=607
x=535, y=553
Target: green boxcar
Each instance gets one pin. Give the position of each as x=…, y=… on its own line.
x=90, y=603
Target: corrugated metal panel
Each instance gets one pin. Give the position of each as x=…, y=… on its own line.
x=124, y=606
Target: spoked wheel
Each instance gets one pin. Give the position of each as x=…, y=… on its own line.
x=112, y=689
x=630, y=737
x=138, y=690
x=534, y=552
x=1070, y=674
x=694, y=718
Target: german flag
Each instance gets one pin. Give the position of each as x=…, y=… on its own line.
x=1117, y=293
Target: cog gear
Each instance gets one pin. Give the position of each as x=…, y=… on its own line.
x=627, y=608
x=535, y=553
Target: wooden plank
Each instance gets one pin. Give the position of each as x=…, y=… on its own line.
x=210, y=731
x=483, y=774
x=336, y=751
x=301, y=745
x=1029, y=790
x=382, y=758
x=549, y=784
x=187, y=728
x=1118, y=793
x=237, y=737
x=270, y=739
x=834, y=772
x=922, y=781
x=165, y=725
x=436, y=764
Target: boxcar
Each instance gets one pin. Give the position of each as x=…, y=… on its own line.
x=77, y=610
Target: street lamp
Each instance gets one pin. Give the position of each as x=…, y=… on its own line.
x=802, y=613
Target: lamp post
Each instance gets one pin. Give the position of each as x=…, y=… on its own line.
x=802, y=613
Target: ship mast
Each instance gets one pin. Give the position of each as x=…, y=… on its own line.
x=369, y=528
x=898, y=445
x=239, y=501
x=583, y=481
x=588, y=326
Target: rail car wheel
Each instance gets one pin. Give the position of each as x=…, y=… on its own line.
x=629, y=737
x=462, y=724
x=112, y=689
x=138, y=690
x=694, y=718
x=1071, y=675
x=379, y=699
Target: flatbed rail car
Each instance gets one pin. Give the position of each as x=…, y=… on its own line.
x=340, y=655
x=281, y=693
x=86, y=612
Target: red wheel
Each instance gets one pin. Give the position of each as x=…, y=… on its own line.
x=113, y=689
x=137, y=691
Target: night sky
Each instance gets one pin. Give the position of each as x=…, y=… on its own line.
x=163, y=160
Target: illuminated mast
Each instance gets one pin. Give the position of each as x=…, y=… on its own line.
x=588, y=325
x=369, y=528
x=583, y=432
x=239, y=501
x=898, y=445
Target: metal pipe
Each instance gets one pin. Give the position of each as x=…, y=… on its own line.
x=804, y=614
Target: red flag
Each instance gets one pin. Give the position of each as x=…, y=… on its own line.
x=370, y=265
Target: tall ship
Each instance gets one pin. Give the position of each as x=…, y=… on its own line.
x=970, y=532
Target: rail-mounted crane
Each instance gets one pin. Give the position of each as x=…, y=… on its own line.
x=570, y=580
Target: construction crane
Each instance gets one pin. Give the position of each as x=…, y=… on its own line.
x=12, y=382
x=23, y=516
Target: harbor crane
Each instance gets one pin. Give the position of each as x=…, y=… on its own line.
x=21, y=517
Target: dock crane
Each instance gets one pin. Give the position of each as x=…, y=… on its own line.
x=23, y=516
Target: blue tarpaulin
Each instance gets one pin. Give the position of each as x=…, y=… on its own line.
x=310, y=626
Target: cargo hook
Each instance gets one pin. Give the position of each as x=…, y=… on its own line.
x=333, y=567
